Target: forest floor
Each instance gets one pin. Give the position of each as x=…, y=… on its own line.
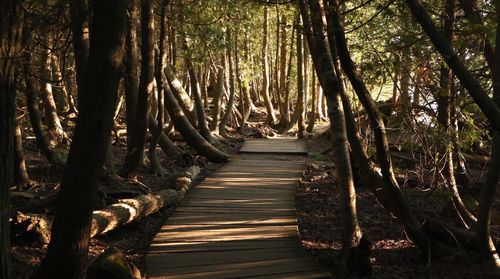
x=393, y=255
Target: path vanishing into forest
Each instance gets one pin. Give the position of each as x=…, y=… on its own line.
x=240, y=221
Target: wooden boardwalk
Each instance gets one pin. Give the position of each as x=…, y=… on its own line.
x=239, y=222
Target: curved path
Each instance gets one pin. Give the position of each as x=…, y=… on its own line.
x=240, y=221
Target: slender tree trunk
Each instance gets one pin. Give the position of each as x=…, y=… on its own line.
x=130, y=77
x=444, y=100
x=230, y=102
x=32, y=102
x=314, y=104
x=271, y=116
x=56, y=131
x=71, y=226
x=217, y=100
x=300, y=82
x=60, y=92
x=10, y=49
x=156, y=132
x=21, y=177
x=313, y=25
x=402, y=210
x=281, y=73
x=79, y=28
x=134, y=158
x=483, y=234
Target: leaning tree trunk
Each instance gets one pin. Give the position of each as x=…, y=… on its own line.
x=32, y=102
x=71, y=227
x=10, y=48
x=189, y=133
x=392, y=190
x=56, y=131
x=135, y=156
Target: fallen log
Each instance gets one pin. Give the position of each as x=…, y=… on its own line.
x=105, y=220
x=184, y=181
x=128, y=210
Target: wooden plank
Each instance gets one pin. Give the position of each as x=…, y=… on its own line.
x=182, y=247
x=239, y=222
x=245, y=269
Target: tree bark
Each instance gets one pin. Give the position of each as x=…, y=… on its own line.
x=313, y=25
x=79, y=28
x=32, y=102
x=130, y=77
x=135, y=156
x=217, y=100
x=300, y=82
x=189, y=133
x=230, y=102
x=72, y=221
x=271, y=116
x=10, y=48
x=395, y=197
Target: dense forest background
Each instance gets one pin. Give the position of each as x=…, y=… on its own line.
x=104, y=101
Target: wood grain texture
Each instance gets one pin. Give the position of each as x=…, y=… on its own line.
x=240, y=221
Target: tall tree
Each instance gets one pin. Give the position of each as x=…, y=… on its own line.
x=271, y=116
x=11, y=12
x=312, y=17
x=67, y=251
x=135, y=156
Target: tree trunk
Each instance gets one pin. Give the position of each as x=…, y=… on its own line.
x=444, y=100
x=189, y=133
x=285, y=105
x=314, y=104
x=157, y=129
x=483, y=234
x=271, y=116
x=79, y=28
x=56, y=132
x=313, y=25
x=198, y=101
x=134, y=157
x=10, y=48
x=183, y=99
x=72, y=221
x=398, y=203
x=300, y=82
x=130, y=77
x=60, y=92
x=217, y=100
x=230, y=102
x=21, y=177
x=32, y=102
